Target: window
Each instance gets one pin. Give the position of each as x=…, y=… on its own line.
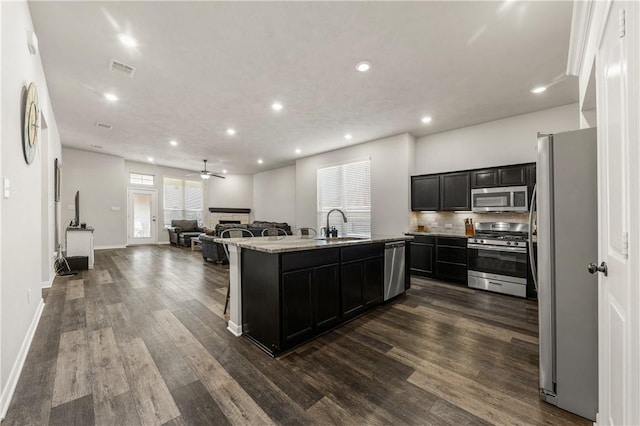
x=346, y=187
x=140, y=179
x=183, y=199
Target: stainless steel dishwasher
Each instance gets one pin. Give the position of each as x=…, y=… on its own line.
x=394, y=269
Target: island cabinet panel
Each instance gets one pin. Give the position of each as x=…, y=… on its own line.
x=289, y=298
x=297, y=306
x=362, y=276
x=261, y=298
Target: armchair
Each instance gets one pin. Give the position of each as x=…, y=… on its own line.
x=181, y=231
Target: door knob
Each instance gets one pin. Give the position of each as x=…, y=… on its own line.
x=593, y=268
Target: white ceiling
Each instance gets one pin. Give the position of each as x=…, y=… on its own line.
x=205, y=66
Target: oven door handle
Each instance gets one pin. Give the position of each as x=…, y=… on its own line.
x=497, y=248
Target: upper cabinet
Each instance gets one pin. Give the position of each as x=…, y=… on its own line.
x=455, y=191
x=448, y=191
x=501, y=176
x=452, y=191
x=425, y=192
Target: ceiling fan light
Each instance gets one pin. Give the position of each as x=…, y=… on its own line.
x=205, y=175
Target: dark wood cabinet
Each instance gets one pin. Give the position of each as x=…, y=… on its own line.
x=512, y=176
x=292, y=297
x=362, y=276
x=484, y=178
x=443, y=258
x=451, y=259
x=425, y=192
x=455, y=191
x=422, y=256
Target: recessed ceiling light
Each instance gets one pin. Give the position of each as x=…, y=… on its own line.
x=277, y=106
x=173, y=143
x=298, y=150
x=111, y=97
x=127, y=40
x=150, y=159
x=231, y=131
x=538, y=89
x=426, y=119
x=260, y=161
x=224, y=171
x=348, y=136
x=363, y=66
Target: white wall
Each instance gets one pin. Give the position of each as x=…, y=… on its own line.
x=22, y=222
x=159, y=173
x=507, y=141
x=390, y=168
x=274, y=195
x=98, y=177
x=234, y=191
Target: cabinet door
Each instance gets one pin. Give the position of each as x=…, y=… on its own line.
x=352, y=288
x=455, y=191
x=326, y=284
x=512, y=176
x=373, y=281
x=422, y=259
x=484, y=178
x=425, y=192
x=297, y=306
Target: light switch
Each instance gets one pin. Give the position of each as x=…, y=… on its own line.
x=115, y=208
x=7, y=187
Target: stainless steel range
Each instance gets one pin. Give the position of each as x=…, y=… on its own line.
x=498, y=258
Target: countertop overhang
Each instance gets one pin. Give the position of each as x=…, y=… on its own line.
x=292, y=243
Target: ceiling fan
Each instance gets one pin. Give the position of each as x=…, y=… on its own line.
x=206, y=174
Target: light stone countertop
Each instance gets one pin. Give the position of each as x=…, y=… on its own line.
x=438, y=234
x=292, y=243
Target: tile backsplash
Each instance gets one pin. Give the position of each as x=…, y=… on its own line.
x=438, y=221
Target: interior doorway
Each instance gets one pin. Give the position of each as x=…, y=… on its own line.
x=142, y=216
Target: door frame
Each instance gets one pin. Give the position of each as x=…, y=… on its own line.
x=154, y=214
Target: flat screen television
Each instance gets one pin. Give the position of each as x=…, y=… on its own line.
x=76, y=219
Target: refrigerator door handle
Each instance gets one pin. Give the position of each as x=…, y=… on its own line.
x=531, y=256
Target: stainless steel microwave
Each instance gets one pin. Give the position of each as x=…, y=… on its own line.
x=502, y=199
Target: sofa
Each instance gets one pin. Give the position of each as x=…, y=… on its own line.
x=182, y=230
x=215, y=252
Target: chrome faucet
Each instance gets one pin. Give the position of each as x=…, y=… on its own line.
x=327, y=229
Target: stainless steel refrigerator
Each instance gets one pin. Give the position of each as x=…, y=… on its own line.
x=566, y=199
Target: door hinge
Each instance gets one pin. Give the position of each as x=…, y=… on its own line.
x=625, y=244
x=621, y=23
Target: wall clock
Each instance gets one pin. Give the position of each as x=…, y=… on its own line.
x=31, y=123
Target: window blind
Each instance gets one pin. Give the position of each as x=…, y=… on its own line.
x=183, y=199
x=140, y=179
x=346, y=187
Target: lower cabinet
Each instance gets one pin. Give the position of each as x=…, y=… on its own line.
x=442, y=258
x=291, y=297
x=310, y=302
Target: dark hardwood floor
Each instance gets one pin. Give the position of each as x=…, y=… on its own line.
x=141, y=340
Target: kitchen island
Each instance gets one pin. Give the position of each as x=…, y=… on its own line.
x=287, y=290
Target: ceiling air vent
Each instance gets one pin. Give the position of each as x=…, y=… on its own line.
x=104, y=125
x=122, y=68
x=97, y=146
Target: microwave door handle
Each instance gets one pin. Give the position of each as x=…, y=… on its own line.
x=534, y=269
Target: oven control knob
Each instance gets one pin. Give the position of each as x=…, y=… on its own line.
x=482, y=241
x=508, y=243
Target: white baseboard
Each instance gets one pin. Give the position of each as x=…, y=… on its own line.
x=109, y=247
x=50, y=283
x=164, y=242
x=14, y=376
x=234, y=328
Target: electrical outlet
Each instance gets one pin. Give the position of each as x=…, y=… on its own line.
x=435, y=225
x=29, y=296
x=54, y=255
x=448, y=225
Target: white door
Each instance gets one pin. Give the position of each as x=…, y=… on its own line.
x=142, y=216
x=618, y=295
